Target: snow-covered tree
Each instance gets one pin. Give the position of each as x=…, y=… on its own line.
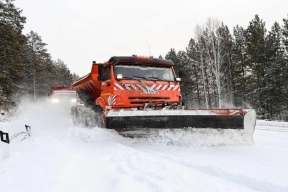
x=285, y=34
x=12, y=43
x=255, y=52
x=274, y=87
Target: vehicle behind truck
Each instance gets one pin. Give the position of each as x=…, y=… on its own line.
x=62, y=97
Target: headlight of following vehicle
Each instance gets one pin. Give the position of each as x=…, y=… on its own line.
x=73, y=100
x=55, y=100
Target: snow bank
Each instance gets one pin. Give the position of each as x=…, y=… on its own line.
x=48, y=121
x=193, y=137
x=188, y=138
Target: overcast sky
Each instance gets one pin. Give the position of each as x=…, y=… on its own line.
x=80, y=31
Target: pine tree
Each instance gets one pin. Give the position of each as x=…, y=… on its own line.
x=285, y=34
x=187, y=84
x=26, y=68
x=256, y=59
x=172, y=55
x=37, y=65
x=41, y=73
x=203, y=65
x=194, y=54
x=239, y=66
x=224, y=54
x=284, y=28
x=12, y=43
x=180, y=61
x=273, y=91
x=63, y=75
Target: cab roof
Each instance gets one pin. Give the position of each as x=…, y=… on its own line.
x=138, y=60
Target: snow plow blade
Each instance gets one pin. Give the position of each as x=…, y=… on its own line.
x=168, y=119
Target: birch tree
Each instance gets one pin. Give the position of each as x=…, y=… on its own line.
x=199, y=38
x=212, y=52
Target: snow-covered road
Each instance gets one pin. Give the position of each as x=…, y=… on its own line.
x=60, y=157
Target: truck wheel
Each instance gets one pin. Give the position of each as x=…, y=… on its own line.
x=98, y=115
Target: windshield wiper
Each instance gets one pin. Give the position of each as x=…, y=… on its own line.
x=141, y=77
x=134, y=78
x=157, y=78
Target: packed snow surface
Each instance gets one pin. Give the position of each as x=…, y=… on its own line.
x=61, y=157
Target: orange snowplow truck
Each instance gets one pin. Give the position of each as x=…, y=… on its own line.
x=130, y=93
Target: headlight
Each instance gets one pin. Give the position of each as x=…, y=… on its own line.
x=73, y=100
x=55, y=100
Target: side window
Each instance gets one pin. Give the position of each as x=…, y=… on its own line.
x=104, y=73
x=107, y=73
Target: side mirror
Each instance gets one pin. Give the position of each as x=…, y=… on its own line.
x=180, y=73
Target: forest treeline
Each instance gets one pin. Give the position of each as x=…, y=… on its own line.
x=26, y=67
x=245, y=68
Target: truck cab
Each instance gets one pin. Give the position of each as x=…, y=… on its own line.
x=130, y=82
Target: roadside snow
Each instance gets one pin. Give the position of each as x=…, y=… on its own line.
x=61, y=157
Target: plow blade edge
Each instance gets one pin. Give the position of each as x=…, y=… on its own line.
x=196, y=121
x=182, y=119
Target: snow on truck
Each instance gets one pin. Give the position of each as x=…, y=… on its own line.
x=129, y=93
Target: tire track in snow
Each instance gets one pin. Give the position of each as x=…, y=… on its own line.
x=272, y=126
x=273, y=129
x=222, y=174
x=154, y=169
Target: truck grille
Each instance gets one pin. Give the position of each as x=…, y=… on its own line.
x=140, y=100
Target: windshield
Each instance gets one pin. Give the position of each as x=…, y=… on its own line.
x=144, y=72
x=58, y=95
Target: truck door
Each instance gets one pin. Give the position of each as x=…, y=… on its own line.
x=105, y=78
